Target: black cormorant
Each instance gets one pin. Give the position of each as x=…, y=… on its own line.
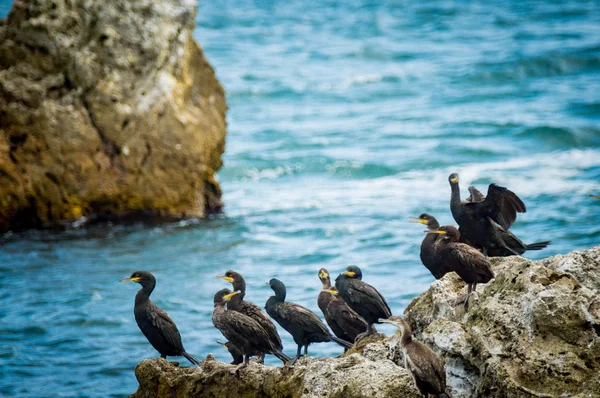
x=429, y=256
x=242, y=331
x=362, y=298
x=156, y=325
x=425, y=367
x=237, y=303
x=343, y=321
x=303, y=324
x=512, y=244
x=469, y=263
x=236, y=354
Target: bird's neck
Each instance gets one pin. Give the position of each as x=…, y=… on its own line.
x=455, y=197
x=241, y=286
x=280, y=296
x=144, y=294
x=326, y=284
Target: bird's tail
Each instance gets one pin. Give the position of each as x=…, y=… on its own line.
x=191, y=358
x=341, y=342
x=538, y=245
x=284, y=358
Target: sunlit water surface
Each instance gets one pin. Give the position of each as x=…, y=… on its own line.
x=345, y=119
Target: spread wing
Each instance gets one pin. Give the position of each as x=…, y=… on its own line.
x=475, y=195
x=501, y=205
x=166, y=327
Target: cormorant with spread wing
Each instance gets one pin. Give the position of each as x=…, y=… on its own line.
x=476, y=219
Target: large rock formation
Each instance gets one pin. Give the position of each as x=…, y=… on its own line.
x=108, y=109
x=533, y=331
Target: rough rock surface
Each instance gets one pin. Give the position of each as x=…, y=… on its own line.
x=353, y=376
x=533, y=331
x=108, y=109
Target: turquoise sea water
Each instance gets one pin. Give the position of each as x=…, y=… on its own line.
x=345, y=119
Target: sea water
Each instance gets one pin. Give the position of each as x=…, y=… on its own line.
x=345, y=118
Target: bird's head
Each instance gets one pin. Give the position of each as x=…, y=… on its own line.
x=453, y=179
x=353, y=271
x=447, y=232
x=144, y=278
x=426, y=219
x=223, y=296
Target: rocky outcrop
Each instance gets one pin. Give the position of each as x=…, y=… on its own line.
x=108, y=109
x=372, y=375
x=533, y=331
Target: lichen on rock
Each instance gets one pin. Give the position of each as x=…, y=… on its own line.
x=107, y=110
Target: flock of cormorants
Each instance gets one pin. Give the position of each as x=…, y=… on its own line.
x=352, y=306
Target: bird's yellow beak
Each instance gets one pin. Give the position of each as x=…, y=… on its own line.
x=228, y=297
x=418, y=220
x=323, y=274
x=437, y=231
x=227, y=278
x=350, y=273
x=382, y=320
x=223, y=344
x=136, y=279
x=333, y=292
x=454, y=180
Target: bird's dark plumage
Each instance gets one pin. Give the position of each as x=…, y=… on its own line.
x=472, y=266
x=154, y=323
x=363, y=298
x=236, y=354
x=500, y=206
x=429, y=257
x=237, y=303
x=242, y=331
x=511, y=244
x=303, y=324
x=425, y=367
x=343, y=321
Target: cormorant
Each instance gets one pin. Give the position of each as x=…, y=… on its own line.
x=236, y=354
x=242, y=331
x=154, y=323
x=429, y=256
x=425, y=367
x=595, y=196
x=362, y=298
x=343, y=321
x=511, y=242
x=477, y=219
x=237, y=303
x=303, y=324
x=469, y=263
